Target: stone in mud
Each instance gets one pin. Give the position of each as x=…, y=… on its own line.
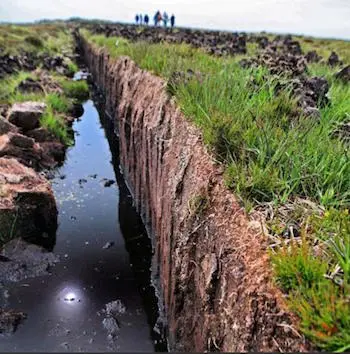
x=111, y=326
x=343, y=132
x=4, y=108
x=115, y=308
x=316, y=88
x=312, y=57
x=27, y=204
x=25, y=150
x=278, y=63
x=54, y=149
x=26, y=115
x=10, y=320
x=112, y=310
x=30, y=85
x=77, y=110
x=179, y=77
x=21, y=141
x=108, y=245
x=9, y=64
x=108, y=183
x=334, y=60
x=41, y=134
x=6, y=126
x=82, y=75
x=312, y=112
x=51, y=63
x=25, y=260
x=246, y=63
x=262, y=41
x=344, y=74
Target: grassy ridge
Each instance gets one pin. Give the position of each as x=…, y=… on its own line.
x=274, y=156
x=325, y=47
x=271, y=151
x=51, y=39
x=58, y=104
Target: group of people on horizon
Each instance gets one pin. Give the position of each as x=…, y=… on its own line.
x=158, y=18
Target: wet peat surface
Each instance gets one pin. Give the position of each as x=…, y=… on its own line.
x=104, y=256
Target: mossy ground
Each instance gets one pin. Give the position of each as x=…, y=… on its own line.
x=58, y=104
x=51, y=39
x=274, y=156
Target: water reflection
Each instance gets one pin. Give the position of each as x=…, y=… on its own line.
x=137, y=241
x=64, y=308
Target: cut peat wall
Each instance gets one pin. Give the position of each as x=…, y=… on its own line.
x=212, y=267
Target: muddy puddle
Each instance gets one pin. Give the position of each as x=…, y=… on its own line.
x=104, y=258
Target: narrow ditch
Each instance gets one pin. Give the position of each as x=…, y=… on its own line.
x=105, y=256
x=211, y=267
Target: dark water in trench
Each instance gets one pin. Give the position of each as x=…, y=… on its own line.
x=90, y=215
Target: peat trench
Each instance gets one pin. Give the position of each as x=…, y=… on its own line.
x=93, y=292
x=209, y=264
x=212, y=279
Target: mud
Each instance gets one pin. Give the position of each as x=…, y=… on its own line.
x=213, y=42
x=27, y=61
x=210, y=264
x=10, y=320
x=25, y=260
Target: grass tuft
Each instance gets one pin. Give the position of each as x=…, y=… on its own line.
x=34, y=41
x=78, y=90
x=296, y=267
x=58, y=102
x=72, y=68
x=55, y=124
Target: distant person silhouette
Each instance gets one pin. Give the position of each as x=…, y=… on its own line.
x=137, y=19
x=146, y=19
x=165, y=19
x=172, y=21
x=157, y=18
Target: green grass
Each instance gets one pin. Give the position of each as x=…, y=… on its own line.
x=322, y=304
x=78, y=90
x=302, y=269
x=272, y=154
x=325, y=47
x=45, y=38
x=269, y=154
x=55, y=124
x=9, y=84
x=72, y=67
x=57, y=104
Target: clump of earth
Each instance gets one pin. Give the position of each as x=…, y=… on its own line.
x=111, y=313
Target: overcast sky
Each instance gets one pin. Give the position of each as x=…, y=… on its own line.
x=327, y=18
